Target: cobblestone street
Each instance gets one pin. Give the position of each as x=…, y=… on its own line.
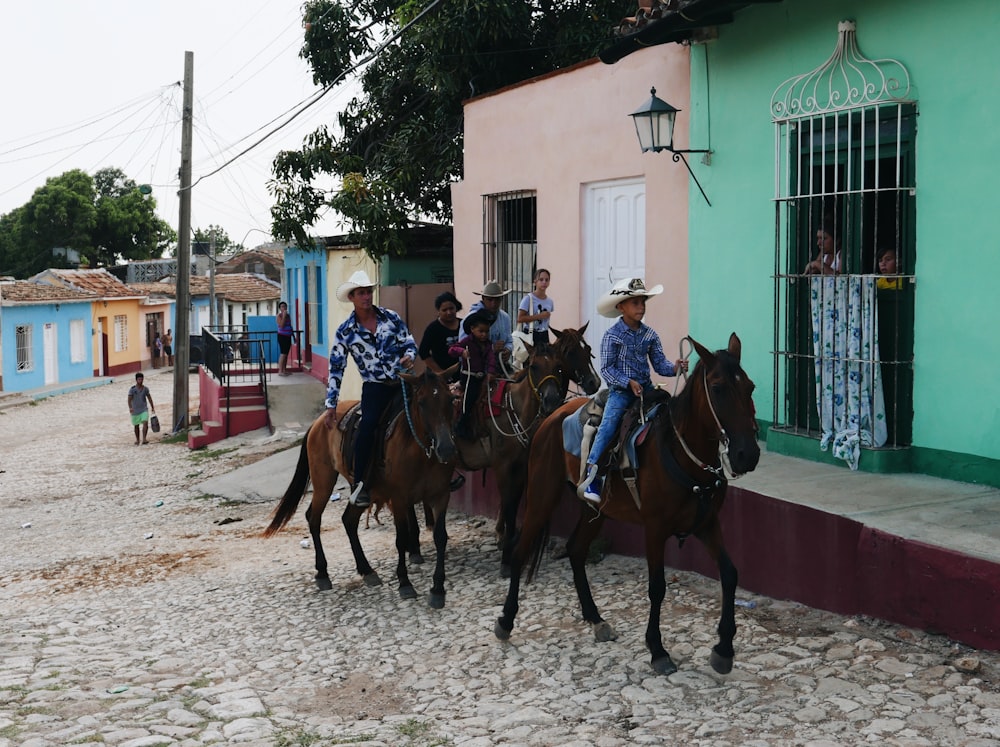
x=137, y=611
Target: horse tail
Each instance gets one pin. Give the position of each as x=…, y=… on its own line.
x=537, y=549
x=285, y=510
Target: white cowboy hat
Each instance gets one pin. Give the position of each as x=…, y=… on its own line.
x=359, y=279
x=623, y=290
x=492, y=290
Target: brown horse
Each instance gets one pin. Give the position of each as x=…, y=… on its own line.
x=681, y=487
x=418, y=464
x=537, y=393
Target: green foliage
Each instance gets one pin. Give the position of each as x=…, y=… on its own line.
x=223, y=244
x=396, y=148
x=102, y=217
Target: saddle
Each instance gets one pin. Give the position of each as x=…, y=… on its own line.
x=621, y=454
x=348, y=425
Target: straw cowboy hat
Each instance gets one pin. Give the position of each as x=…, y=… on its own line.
x=492, y=290
x=623, y=290
x=359, y=279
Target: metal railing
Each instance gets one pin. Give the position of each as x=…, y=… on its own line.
x=232, y=353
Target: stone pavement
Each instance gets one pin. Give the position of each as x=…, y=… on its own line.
x=137, y=608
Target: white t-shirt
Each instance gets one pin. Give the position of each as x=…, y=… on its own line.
x=532, y=304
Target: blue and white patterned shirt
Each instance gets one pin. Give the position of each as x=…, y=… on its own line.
x=500, y=329
x=376, y=355
x=626, y=354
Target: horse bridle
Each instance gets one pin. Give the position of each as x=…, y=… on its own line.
x=725, y=470
x=429, y=449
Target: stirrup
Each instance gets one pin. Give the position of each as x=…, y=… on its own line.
x=585, y=491
x=359, y=496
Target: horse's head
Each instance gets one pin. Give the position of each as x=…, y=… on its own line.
x=722, y=399
x=431, y=412
x=577, y=357
x=545, y=376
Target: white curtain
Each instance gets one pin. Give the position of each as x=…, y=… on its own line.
x=848, y=376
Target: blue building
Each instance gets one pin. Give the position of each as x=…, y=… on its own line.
x=45, y=335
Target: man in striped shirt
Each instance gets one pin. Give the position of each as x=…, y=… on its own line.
x=628, y=349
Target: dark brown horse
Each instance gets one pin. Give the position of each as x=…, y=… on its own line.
x=418, y=464
x=541, y=388
x=681, y=486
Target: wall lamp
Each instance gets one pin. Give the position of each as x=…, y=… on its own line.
x=654, y=124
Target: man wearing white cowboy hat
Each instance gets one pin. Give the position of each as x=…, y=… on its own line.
x=627, y=350
x=379, y=342
x=500, y=330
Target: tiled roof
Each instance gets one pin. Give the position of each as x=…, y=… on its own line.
x=664, y=21
x=154, y=289
x=98, y=281
x=26, y=291
x=239, y=287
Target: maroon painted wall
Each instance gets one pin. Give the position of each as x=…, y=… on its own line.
x=788, y=551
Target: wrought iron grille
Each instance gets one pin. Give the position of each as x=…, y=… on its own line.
x=845, y=199
x=510, y=244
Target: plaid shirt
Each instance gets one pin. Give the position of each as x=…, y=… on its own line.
x=627, y=353
x=376, y=355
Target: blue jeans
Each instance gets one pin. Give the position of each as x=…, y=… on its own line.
x=619, y=400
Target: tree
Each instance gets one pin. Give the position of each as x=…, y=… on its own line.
x=398, y=145
x=103, y=217
x=223, y=244
x=127, y=224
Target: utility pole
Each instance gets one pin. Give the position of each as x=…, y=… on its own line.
x=213, y=315
x=182, y=358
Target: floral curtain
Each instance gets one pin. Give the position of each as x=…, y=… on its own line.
x=848, y=376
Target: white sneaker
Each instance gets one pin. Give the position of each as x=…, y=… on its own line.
x=590, y=489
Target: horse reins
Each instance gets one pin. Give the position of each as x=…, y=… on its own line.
x=725, y=470
x=428, y=450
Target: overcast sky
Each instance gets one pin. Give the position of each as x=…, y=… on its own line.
x=94, y=84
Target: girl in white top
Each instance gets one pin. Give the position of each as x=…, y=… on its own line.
x=536, y=308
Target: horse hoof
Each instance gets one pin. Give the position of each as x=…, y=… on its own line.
x=603, y=632
x=721, y=664
x=372, y=580
x=500, y=631
x=664, y=665
x=416, y=558
x=323, y=583
x=504, y=570
x=435, y=600
x=407, y=592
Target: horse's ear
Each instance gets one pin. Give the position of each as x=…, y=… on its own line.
x=409, y=378
x=556, y=332
x=704, y=353
x=584, y=328
x=735, y=346
x=530, y=348
x=449, y=373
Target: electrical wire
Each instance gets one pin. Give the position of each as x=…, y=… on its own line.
x=315, y=98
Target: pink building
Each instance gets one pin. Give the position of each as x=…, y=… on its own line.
x=554, y=178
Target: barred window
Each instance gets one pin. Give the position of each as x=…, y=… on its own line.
x=510, y=243
x=25, y=355
x=121, y=333
x=77, y=341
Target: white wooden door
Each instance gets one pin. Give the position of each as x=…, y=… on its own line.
x=614, y=245
x=51, y=353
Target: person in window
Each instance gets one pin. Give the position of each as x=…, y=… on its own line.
x=441, y=334
x=380, y=344
x=536, y=308
x=829, y=256
x=887, y=266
